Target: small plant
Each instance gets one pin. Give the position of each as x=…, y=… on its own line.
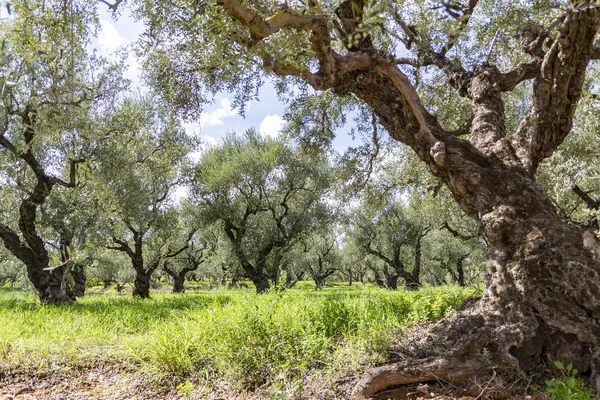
x=185, y=389
x=569, y=387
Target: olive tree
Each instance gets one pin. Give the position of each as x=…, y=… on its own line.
x=51, y=92
x=394, y=236
x=264, y=194
x=482, y=91
x=136, y=172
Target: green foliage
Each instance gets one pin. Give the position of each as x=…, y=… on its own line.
x=569, y=387
x=264, y=195
x=235, y=334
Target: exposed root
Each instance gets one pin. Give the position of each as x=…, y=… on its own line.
x=406, y=373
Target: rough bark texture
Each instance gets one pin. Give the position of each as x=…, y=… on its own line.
x=260, y=280
x=543, y=298
x=141, y=284
x=79, y=280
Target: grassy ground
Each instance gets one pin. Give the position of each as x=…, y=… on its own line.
x=276, y=340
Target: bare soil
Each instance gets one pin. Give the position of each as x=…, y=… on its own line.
x=110, y=383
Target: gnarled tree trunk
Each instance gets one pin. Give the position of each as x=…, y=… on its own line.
x=141, y=284
x=260, y=280
x=543, y=298
x=79, y=280
x=179, y=276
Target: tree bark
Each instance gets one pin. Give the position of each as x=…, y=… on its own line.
x=79, y=280
x=141, y=285
x=260, y=280
x=543, y=298
x=50, y=283
x=178, y=284
x=542, y=302
x=412, y=280
x=460, y=273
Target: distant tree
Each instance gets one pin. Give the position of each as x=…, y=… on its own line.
x=188, y=261
x=105, y=265
x=395, y=237
x=11, y=269
x=460, y=255
x=136, y=172
x=353, y=266
x=322, y=257
x=264, y=194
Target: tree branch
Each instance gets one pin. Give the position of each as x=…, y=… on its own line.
x=72, y=174
x=113, y=6
x=456, y=233
x=583, y=195
x=122, y=246
x=463, y=22
x=557, y=89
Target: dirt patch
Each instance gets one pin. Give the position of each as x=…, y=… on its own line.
x=106, y=381
x=113, y=384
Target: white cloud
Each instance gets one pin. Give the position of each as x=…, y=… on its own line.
x=210, y=141
x=215, y=117
x=109, y=39
x=192, y=128
x=271, y=126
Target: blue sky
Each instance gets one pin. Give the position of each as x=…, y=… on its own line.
x=218, y=118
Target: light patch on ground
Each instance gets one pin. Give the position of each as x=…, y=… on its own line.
x=271, y=126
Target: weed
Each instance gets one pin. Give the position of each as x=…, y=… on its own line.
x=569, y=387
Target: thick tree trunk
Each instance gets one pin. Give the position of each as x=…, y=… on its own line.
x=391, y=279
x=52, y=289
x=79, y=280
x=141, y=285
x=460, y=273
x=543, y=299
x=261, y=282
x=319, y=283
x=179, y=276
x=378, y=279
x=412, y=280
x=178, y=284
x=106, y=284
x=410, y=283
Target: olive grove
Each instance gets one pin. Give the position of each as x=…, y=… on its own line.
x=483, y=92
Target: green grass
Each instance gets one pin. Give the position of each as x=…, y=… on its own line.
x=234, y=334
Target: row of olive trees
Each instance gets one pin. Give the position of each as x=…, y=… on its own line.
x=86, y=167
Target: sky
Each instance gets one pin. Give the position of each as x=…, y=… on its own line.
x=218, y=118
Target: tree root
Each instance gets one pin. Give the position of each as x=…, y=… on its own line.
x=479, y=336
x=406, y=373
